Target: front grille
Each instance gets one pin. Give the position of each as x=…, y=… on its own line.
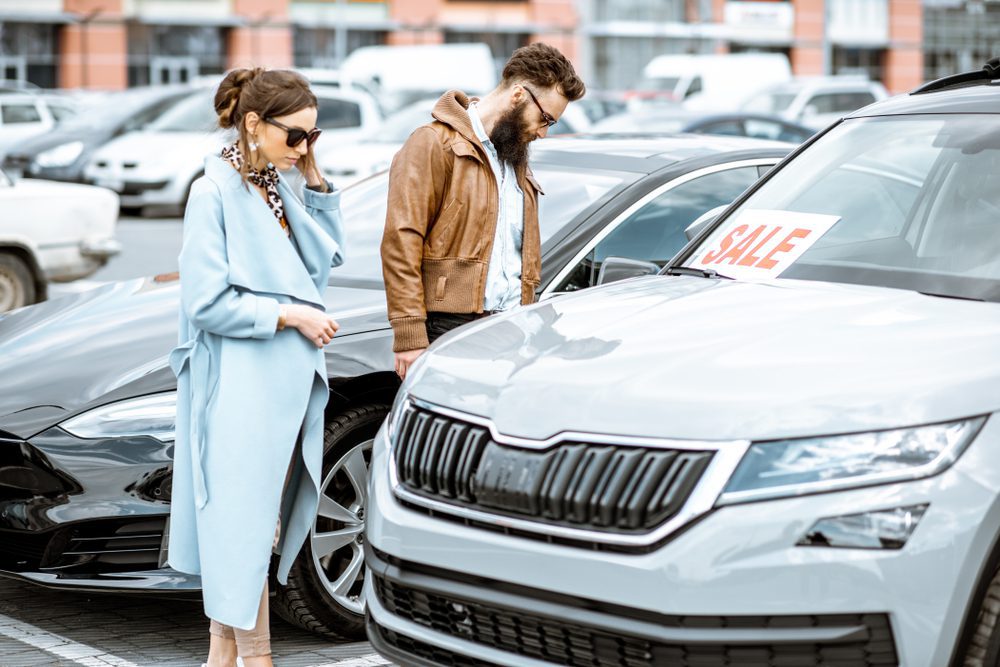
x=620, y=488
x=106, y=546
x=564, y=642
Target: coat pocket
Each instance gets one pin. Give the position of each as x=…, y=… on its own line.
x=442, y=229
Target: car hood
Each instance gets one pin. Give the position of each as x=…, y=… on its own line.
x=32, y=146
x=82, y=350
x=697, y=358
x=161, y=151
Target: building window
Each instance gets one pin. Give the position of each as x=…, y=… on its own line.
x=28, y=52
x=959, y=39
x=863, y=62
x=173, y=54
x=317, y=47
x=640, y=10
x=502, y=44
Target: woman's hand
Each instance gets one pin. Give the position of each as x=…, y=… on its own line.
x=310, y=171
x=312, y=323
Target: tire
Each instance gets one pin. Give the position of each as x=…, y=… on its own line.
x=17, y=283
x=323, y=594
x=983, y=649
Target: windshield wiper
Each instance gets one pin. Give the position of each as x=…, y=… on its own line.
x=692, y=271
x=953, y=296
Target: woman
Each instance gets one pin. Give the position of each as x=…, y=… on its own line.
x=251, y=375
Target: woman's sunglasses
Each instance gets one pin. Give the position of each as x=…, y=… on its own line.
x=296, y=135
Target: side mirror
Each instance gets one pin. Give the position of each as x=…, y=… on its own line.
x=614, y=269
x=703, y=221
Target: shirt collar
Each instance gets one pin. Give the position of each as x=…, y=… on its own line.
x=477, y=125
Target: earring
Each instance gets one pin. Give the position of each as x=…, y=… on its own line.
x=253, y=146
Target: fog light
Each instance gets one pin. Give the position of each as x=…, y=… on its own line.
x=880, y=529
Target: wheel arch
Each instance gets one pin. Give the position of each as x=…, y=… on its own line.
x=970, y=616
x=346, y=392
x=26, y=254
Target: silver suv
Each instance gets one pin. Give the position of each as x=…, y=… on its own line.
x=783, y=450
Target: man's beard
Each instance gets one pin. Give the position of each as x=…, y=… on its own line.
x=510, y=137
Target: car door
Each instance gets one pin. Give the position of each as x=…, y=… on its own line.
x=652, y=228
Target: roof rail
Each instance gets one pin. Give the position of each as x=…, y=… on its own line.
x=989, y=72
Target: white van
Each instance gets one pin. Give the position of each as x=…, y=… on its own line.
x=709, y=81
x=399, y=75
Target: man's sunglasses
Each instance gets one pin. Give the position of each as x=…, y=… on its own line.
x=296, y=135
x=546, y=116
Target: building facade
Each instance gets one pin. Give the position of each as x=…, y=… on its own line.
x=878, y=38
x=118, y=43
x=111, y=44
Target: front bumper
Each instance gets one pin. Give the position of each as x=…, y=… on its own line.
x=87, y=514
x=736, y=565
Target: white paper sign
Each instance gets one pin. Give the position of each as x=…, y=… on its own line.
x=759, y=245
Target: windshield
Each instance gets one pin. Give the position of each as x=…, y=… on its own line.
x=567, y=193
x=910, y=202
x=769, y=102
x=658, y=83
x=193, y=114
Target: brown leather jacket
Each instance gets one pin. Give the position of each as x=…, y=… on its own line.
x=441, y=222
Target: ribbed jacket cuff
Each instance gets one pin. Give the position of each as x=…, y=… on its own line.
x=409, y=333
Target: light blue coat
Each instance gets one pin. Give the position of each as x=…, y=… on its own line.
x=244, y=391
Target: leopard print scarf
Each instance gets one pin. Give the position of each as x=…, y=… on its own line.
x=267, y=179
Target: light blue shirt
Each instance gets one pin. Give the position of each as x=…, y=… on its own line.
x=503, y=279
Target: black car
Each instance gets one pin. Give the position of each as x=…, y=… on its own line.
x=61, y=155
x=87, y=414
x=673, y=120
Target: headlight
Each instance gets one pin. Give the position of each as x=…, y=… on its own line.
x=152, y=416
x=62, y=155
x=812, y=465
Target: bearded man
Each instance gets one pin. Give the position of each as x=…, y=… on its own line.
x=461, y=232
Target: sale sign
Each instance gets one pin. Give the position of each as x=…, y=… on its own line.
x=758, y=245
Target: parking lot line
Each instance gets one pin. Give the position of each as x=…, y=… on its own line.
x=58, y=645
x=364, y=661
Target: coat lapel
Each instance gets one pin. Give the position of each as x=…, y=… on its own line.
x=316, y=247
x=261, y=258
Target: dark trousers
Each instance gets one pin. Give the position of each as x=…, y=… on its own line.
x=438, y=324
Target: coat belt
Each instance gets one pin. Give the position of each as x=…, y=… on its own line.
x=197, y=355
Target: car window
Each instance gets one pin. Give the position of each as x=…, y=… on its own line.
x=61, y=113
x=655, y=233
x=695, y=87
x=729, y=128
x=334, y=114
x=14, y=113
x=769, y=102
x=840, y=102
x=909, y=202
x=568, y=192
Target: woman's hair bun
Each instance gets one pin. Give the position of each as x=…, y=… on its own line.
x=227, y=97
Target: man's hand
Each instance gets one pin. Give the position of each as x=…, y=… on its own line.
x=405, y=359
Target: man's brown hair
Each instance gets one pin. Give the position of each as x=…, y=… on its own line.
x=545, y=67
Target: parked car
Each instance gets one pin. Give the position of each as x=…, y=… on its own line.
x=707, y=80
x=782, y=450
x=51, y=232
x=61, y=153
x=672, y=120
x=154, y=168
x=27, y=115
x=347, y=162
x=816, y=101
x=86, y=476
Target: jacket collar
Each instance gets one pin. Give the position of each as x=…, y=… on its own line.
x=261, y=257
x=452, y=110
